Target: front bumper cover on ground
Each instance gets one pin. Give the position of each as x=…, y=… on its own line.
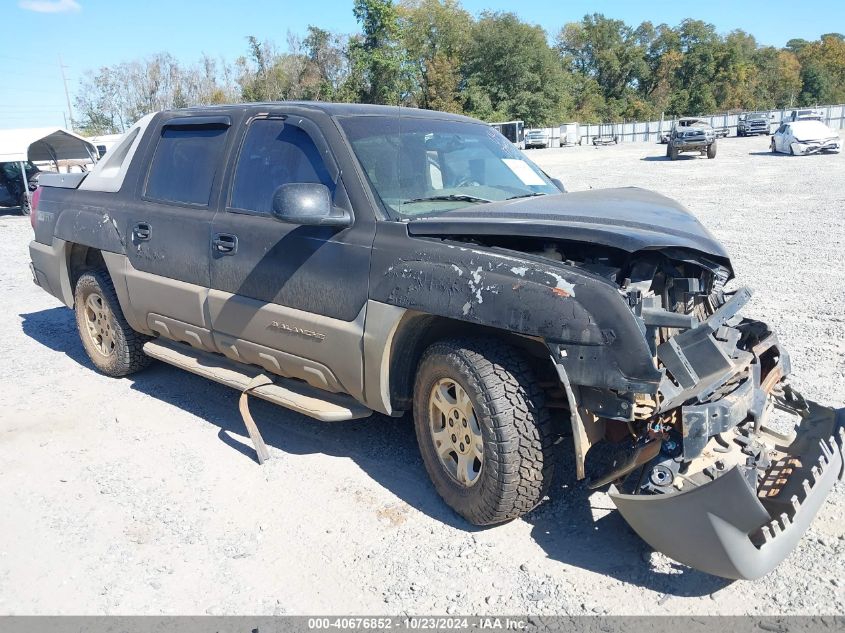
x=732, y=528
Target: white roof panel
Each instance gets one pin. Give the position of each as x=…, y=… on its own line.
x=44, y=143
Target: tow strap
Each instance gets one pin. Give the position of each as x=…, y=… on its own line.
x=261, y=380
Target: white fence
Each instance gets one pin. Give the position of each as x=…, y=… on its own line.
x=650, y=131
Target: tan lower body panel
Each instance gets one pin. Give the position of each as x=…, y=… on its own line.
x=290, y=394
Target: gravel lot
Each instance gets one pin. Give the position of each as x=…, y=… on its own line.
x=142, y=495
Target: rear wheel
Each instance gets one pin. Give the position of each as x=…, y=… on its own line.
x=484, y=433
x=26, y=206
x=673, y=152
x=711, y=150
x=112, y=345
x=773, y=147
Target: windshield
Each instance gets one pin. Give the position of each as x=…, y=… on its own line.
x=421, y=166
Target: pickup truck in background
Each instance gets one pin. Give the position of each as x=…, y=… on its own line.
x=341, y=260
x=753, y=123
x=691, y=134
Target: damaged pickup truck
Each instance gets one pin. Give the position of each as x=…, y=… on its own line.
x=341, y=260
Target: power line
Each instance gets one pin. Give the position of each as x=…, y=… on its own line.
x=67, y=94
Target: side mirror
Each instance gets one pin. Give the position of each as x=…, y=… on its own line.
x=308, y=203
x=557, y=183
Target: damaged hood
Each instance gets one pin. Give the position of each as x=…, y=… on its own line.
x=630, y=219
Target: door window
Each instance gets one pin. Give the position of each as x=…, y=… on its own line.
x=274, y=153
x=185, y=164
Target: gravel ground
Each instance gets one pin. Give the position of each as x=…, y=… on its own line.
x=142, y=496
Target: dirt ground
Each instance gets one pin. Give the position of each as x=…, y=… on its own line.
x=142, y=495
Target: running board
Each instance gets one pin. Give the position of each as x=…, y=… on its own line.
x=291, y=394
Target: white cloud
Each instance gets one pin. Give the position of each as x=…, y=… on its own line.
x=50, y=6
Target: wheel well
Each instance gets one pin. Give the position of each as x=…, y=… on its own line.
x=80, y=259
x=416, y=332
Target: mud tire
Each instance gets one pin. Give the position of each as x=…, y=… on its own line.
x=127, y=355
x=517, y=429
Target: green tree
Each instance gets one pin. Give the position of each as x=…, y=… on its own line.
x=375, y=55
x=435, y=35
x=510, y=72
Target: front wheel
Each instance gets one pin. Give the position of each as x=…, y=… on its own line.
x=673, y=152
x=111, y=344
x=773, y=147
x=711, y=150
x=484, y=434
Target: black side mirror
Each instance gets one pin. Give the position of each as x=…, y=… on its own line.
x=308, y=203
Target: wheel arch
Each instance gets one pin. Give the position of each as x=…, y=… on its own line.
x=416, y=331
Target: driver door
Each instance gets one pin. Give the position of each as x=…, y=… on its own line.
x=287, y=297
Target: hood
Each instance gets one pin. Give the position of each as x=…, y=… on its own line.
x=630, y=219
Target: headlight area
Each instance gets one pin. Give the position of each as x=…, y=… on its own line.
x=709, y=469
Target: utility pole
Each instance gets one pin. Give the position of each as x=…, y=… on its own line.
x=67, y=94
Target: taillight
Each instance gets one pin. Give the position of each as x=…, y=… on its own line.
x=33, y=207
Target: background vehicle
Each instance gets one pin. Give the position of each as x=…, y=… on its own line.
x=104, y=142
x=805, y=137
x=341, y=260
x=536, y=139
x=806, y=114
x=514, y=131
x=690, y=134
x=753, y=123
x=13, y=191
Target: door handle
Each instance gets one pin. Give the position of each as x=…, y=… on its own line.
x=225, y=243
x=142, y=231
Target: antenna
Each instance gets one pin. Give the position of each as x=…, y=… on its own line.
x=67, y=94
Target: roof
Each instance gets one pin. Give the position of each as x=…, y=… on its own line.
x=337, y=109
x=44, y=143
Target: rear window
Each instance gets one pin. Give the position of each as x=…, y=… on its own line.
x=185, y=164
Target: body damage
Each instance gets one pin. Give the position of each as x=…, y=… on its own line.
x=618, y=294
x=656, y=362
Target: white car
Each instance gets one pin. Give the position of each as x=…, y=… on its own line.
x=805, y=137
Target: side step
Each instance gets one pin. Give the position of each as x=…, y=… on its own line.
x=291, y=394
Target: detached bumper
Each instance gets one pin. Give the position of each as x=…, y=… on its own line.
x=735, y=527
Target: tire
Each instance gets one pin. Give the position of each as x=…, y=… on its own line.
x=673, y=152
x=791, y=151
x=515, y=463
x=711, y=150
x=668, y=151
x=740, y=134
x=111, y=344
x=26, y=206
x=773, y=147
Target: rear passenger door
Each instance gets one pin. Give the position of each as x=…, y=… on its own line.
x=287, y=297
x=169, y=226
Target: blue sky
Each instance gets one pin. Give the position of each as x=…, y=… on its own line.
x=93, y=33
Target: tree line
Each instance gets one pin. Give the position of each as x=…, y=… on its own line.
x=434, y=54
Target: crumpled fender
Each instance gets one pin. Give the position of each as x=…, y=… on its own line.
x=582, y=315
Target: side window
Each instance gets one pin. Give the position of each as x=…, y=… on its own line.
x=274, y=153
x=185, y=162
